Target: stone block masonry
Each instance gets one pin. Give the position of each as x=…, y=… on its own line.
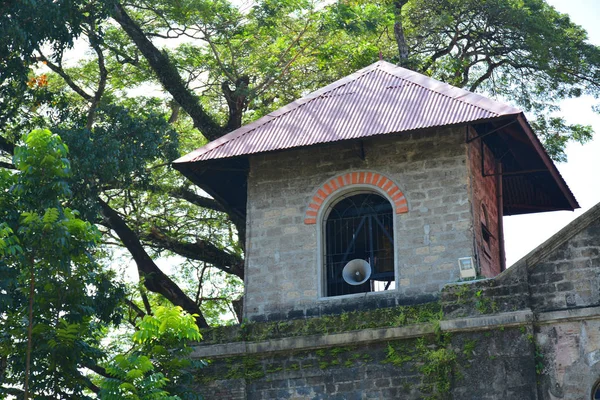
x=427, y=174
x=510, y=337
x=414, y=361
x=570, y=275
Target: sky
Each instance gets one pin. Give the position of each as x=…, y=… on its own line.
x=524, y=233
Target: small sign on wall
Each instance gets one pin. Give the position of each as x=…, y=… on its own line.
x=467, y=267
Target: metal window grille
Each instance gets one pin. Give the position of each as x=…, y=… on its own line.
x=359, y=226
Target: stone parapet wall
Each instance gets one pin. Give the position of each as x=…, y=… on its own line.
x=569, y=276
x=507, y=355
x=504, y=293
x=429, y=360
x=509, y=337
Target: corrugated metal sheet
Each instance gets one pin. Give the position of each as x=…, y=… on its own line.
x=381, y=98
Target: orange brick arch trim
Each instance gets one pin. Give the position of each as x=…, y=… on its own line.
x=355, y=178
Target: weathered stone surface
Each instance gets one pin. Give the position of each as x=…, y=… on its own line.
x=500, y=365
x=494, y=364
x=568, y=276
x=571, y=362
x=429, y=168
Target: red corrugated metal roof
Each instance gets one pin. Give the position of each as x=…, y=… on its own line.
x=381, y=98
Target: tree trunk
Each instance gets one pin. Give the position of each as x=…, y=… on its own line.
x=399, y=33
x=169, y=76
x=154, y=279
x=236, y=101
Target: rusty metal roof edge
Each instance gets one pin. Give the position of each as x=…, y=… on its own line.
x=180, y=165
x=539, y=147
x=190, y=157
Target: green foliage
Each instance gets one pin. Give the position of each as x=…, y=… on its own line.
x=556, y=133
x=168, y=324
x=539, y=361
x=469, y=347
x=439, y=363
x=25, y=26
x=461, y=293
x=397, y=358
x=74, y=299
x=134, y=379
x=158, y=366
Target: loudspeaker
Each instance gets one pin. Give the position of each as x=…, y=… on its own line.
x=356, y=272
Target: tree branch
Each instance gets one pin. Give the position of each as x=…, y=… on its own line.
x=19, y=394
x=399, y=33
x=7, y=165
x=205, y=202
x=61, y=72
x=491, y=67
x=168, y=76
x=174, y=112
x=154, y=279
x=135, y=308
x=201, y=250
x=101, y=84
x=237, y=101
x=6, y=146
x=90, y=385
x=200, y=201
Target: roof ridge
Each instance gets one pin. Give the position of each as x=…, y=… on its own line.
x=392, y=68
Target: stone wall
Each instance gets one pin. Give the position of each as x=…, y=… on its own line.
x=568, y=276
x=282, y=256
x=564, y=281
x=465, y=365
x=508, y=292
x=570, y=365
x=496, y=364
x=560, y=283
x=338, y=373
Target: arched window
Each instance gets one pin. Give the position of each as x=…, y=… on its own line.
x=359, y=226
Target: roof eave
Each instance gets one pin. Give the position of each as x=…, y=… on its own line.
x=535, y=141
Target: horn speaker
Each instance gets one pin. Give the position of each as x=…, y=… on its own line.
x=356, y=272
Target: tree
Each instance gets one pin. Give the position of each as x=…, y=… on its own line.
x=55, y=299
x=169, y=374
x=215, y=65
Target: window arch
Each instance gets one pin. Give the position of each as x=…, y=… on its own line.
x=352, y=179
x=359, y=226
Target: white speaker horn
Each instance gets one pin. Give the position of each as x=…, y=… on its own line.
x=356, y=272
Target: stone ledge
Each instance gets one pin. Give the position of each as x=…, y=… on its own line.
x=363, y=336
x=486, y=322
x=300, y=343
x=366, y=336
x=573, y=314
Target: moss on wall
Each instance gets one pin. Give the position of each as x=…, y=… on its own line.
x=350, y=321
